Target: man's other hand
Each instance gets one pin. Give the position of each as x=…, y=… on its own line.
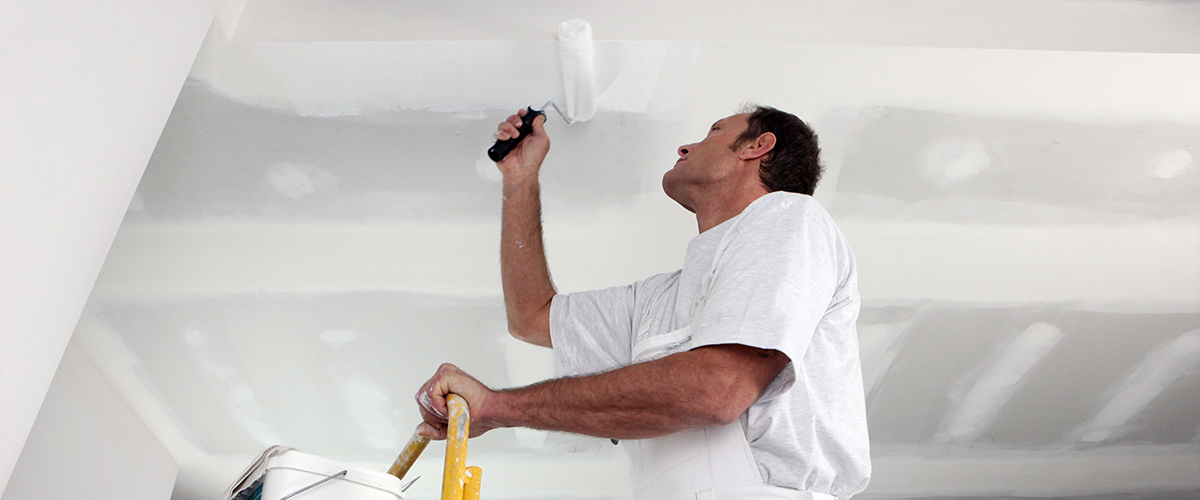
x=431, y=401
x=526, y=158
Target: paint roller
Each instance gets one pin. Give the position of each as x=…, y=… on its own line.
x=579, y=82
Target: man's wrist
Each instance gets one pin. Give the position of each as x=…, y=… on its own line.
x=520, y=179
x=496, y=413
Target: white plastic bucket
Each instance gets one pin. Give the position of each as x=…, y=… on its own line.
x=292, y=471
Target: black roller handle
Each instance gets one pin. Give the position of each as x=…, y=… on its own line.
x=501, y=148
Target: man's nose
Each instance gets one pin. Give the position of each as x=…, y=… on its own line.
x=684, y=149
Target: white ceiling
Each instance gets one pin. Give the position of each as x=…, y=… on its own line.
x=1097, y=25
x=315, y=231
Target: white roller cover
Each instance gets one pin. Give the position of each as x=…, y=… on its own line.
x=575, y=51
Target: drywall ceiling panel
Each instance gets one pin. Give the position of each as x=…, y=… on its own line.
x=220, y=159
x=245, y=370
x=1103, y=25
x=939, y=167
x=331, y=374
x=966, y=376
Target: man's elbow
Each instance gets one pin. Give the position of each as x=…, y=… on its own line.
x=530, y=324
x=727, y=412
x=725, y=404
x=532, y=328
x=530, y=335
x=733, y=377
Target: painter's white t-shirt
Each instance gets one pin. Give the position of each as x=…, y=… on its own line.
x=782, y=277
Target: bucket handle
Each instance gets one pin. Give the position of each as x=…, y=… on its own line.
x=314, y=485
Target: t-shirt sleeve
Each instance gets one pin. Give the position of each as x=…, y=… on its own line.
x=771, y=286
x=590, y=331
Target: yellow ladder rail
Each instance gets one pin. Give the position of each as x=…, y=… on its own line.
x=454, y=476
x=474, y=477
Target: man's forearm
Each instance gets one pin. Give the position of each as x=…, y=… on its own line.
x=692, y=389
x=526, y=278
x=706, y=386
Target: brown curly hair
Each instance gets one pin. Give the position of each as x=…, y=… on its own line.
x=794, y=164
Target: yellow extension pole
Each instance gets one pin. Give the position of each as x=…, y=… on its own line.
x=474, y=480
x=454, y=475
x=411, y=451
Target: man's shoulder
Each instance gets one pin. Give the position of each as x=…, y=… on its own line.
x=788, y=209
x=660, y=280
x=777, y=202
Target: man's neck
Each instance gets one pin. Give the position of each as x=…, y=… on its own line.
x=714, y=214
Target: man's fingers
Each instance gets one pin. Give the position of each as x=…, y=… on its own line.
x=506, y=131
x=539, y=125
x=428, y=416
x=431, y=402
x=427, y=405
x=510, y=127
x=431, y=432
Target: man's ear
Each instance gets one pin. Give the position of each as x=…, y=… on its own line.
x=757, y=148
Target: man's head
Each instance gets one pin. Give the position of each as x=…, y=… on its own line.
x=794, y=163
x=743, y=157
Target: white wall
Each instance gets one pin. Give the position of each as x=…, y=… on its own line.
x=88, y=443
x=85, y=88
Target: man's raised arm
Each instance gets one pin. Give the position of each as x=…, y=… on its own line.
x=526, y=277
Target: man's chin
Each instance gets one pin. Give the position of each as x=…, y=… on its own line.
x=671, y=178
x=674, y=195
x=668, y=185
